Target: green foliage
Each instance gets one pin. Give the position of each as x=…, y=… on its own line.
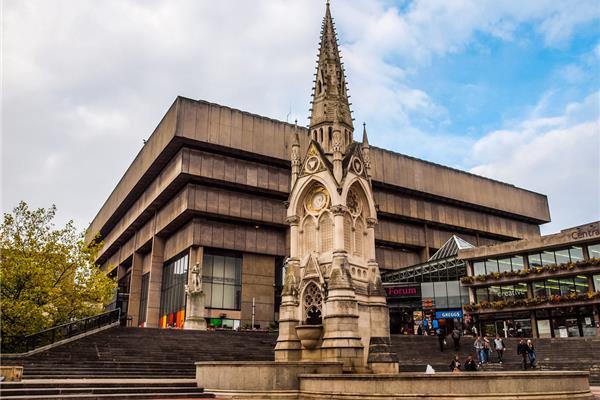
x=47, y=275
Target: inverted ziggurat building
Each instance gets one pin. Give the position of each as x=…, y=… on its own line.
x=224, y=197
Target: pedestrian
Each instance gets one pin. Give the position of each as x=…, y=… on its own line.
x=441, y=338
x=531, y=353
x=499, y=344
x=522, y=351
x=486, y=348
x=478, y=344
x=470, y=364
x=455, y=364
x=456, y=338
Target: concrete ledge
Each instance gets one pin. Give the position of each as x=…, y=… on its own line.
x=551, y=385
x=11, y=373
x=258, y=376
x=252, y=380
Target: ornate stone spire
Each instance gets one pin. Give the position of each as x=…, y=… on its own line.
x=330, y=112
x=366, y=151
x=295, y=156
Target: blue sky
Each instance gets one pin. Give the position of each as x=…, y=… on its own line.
x=505, y=89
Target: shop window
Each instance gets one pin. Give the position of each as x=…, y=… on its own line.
x=495, y=293
x=521, y=290
x=478, y=268
x=441, y=294
x=172, y=296
x=481, y=294
x=539, y=289
x=581, y=284
x=222, y=281
x=567, y=285
x=517, y=263
x=562, y=256
x=552, y=287
x=491, y=266
x=534, y=260
x=576, y=253
x=548, y=258
x=144, y=299
x=454, y=300
x=594, y=250
x=504, y=265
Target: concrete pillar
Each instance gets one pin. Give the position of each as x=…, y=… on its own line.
x=534, y=329
x=154, y=287
x=135, y=291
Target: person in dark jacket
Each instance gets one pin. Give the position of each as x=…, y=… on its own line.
x=522, y=351
x=530, y=353
x=441, y=338
x=455, y=364
x=470, y=364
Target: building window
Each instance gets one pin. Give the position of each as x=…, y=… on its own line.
x=504, y=265
x=597, y=282
x=481, y=294
x=534, y=260
x=144, y=299
x=594, y=250
x=539, y=289
x=576, y=253
x=517, y=263
x=478, y=268
x=581, y=284
x=172, y=295
x=222, y=281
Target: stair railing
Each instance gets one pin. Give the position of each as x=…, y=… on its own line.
x=23, y=344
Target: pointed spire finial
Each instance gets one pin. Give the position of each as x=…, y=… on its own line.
x=365, y=138
x=330, y=107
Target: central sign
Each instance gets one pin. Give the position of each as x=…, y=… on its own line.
x=403, y=291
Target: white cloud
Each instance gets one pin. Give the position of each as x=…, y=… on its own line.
x=557, y=156
x=85, y=81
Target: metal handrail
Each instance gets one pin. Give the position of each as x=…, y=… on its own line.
x=23, y=344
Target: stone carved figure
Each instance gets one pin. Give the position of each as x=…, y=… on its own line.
x=195, y=285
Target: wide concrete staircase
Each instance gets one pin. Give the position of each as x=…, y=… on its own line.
x=159, y=363
x=415, y=352
x=131, y=363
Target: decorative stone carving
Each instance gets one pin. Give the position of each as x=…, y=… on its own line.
x=354, y=203
x=195, y=318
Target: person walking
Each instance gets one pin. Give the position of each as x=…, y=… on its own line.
x=478, y=344
x=531, y=353
x=486, y=348
x=441, y=338
x=455, y=364
x=456, y=338
x=522, y=351
x=500, y=347
x=470, y=364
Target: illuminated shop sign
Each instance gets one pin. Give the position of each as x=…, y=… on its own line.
x=450, y=314
x=403, y=291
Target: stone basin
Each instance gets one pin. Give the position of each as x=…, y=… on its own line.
x=309, y=335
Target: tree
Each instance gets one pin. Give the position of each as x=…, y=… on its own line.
x=48, y=276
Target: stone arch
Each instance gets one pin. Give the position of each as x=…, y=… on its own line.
x=312, y=304
x=301, y=190
x=361, y=188
x=325, y=232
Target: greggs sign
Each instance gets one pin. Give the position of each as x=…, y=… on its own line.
x=403, y=291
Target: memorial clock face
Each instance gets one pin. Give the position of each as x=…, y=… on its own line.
x=317, y=200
